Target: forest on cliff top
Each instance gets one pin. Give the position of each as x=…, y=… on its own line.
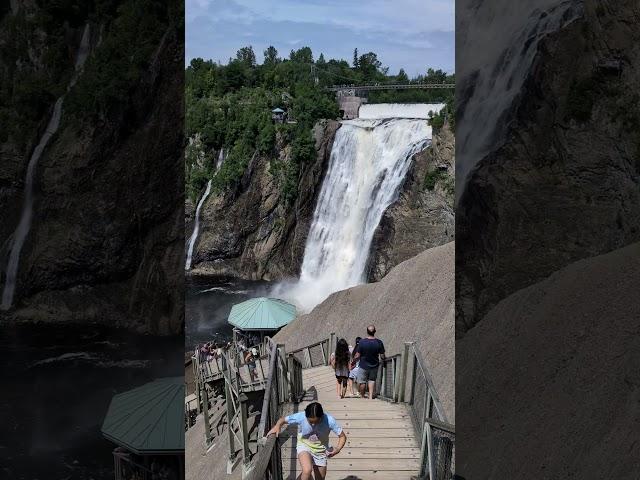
x=229, y=106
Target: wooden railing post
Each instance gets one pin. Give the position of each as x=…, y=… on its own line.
x=332, y=342
x=307, y=358
x=246, y=452
x=285, y=373
x=205, y=413
x=230, y=412
x=403, y=372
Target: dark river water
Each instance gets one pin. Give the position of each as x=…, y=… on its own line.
x=57, y=382
x=208, y=302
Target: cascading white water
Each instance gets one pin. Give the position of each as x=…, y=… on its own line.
x=220, y=159
x=493, y=76
x=368, y=163
x=196, y=226
x=398, y=110
x=22, y=230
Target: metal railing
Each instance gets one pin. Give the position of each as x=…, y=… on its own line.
x=383, y=86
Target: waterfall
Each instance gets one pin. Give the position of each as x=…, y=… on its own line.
x=368, y=163
x=196, y=227
x=22, y=230
x=220, y=159
x=493, y=76
x=398, y=110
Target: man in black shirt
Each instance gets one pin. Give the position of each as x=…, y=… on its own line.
x=370, y=350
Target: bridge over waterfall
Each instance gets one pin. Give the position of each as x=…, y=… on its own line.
x=401, y=435
x=355, y=90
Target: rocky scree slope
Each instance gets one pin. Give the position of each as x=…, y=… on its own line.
x=549, y=378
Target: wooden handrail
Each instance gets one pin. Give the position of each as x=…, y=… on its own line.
x=308, y=346
x=269, y=386
x=262, y=461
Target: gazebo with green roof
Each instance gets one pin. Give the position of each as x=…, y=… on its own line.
x=147, y=424
x=261, y=314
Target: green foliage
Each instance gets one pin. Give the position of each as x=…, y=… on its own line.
x=432, y=178
x=114, y=70
x=229, y=106
x=437, y=120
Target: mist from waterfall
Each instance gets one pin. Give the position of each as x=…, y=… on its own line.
x=22, y=230
x=368, y=163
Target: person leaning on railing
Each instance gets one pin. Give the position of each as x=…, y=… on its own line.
x=313, y=448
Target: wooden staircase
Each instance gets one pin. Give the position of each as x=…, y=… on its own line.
x=381, y=442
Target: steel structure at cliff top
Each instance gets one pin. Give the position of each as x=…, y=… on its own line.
x=378, y=86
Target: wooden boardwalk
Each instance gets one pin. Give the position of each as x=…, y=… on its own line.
x=381, y=443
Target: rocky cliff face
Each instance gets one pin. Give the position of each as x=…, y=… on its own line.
x=251, y=232
x=565, y=184
x=106, y=239
x=423, y=216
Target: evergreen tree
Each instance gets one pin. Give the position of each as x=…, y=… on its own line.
x=356, y=63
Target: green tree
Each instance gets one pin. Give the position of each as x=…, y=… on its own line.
x=402, y=77
x=356, y=64
x=370, y=67
x=435, y=76
x=246, y=56
x=302, y=55
x=270, y=56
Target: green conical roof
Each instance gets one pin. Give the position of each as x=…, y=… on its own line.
x=148, y=419
x=262, y=314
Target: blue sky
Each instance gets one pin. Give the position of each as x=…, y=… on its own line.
x=412, y=34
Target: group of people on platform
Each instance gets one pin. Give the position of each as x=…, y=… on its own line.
x=212, y=351
x=357, y=365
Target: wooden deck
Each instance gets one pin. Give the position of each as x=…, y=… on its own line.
x=381, y=443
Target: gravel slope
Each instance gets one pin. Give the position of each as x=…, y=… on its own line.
x=550, y=378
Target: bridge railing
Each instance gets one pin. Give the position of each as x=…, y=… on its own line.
x=388, y=86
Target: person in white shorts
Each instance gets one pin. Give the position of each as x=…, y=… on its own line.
x=313, y=449
x=354, y=372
